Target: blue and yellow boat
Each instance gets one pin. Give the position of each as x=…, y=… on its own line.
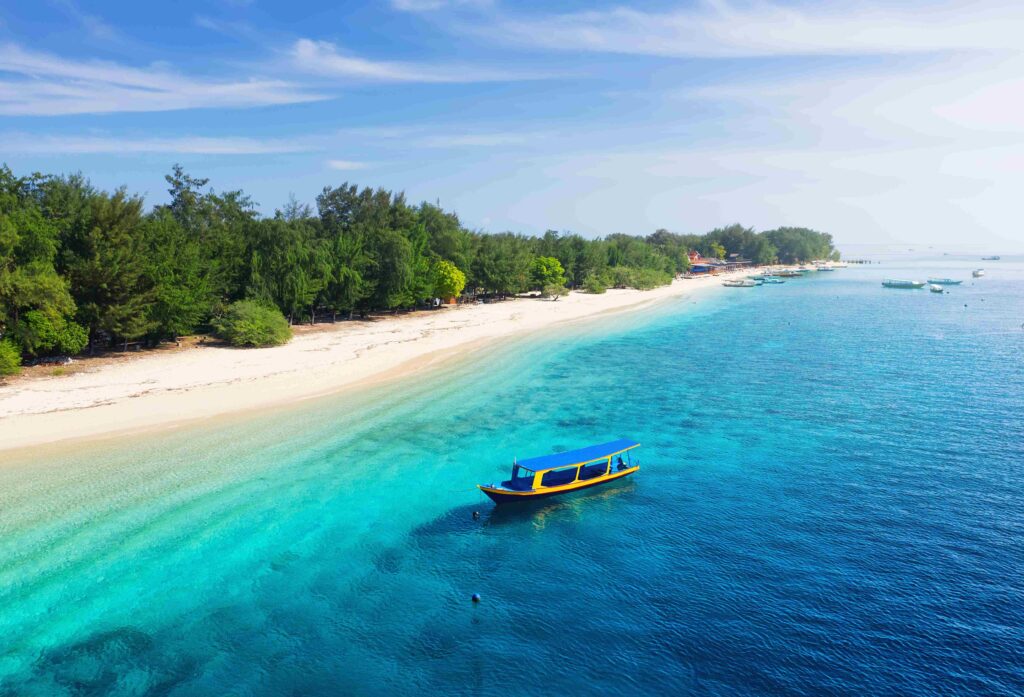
x=562, y=473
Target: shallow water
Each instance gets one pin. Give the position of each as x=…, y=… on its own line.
x=829, y=502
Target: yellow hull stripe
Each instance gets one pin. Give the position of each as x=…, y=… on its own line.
x=564, y=487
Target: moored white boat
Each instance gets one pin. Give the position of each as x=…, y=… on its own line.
x=936, y=288
x=944, y=281
x=902, y=283
x=978, y=273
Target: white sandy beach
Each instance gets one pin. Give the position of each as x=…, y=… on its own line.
x=164, y=389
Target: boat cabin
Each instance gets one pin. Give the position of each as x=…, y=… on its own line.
x=563, y=472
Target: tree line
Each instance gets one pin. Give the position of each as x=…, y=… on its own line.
x=82, y=268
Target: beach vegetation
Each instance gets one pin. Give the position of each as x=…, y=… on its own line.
x=10, y=358
x=252, y=324
x=448, y=280
x=554, y=290
x=595, y=284
x=79, y=264
x=546, y=272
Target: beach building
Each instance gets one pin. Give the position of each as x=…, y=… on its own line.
x=702, y=265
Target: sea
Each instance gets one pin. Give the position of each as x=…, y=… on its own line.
x=830, y=502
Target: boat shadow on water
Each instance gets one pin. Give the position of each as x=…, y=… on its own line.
x=460, y=520
x=549, y=510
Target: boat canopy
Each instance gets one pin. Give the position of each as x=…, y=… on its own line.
x=577, y=457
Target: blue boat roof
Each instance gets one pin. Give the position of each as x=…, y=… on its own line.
x=576, y=457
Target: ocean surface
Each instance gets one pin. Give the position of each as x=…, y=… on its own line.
x=831, y=501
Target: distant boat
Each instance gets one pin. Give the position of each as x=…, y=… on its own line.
x=561, y=473
x=740, y=283
x=900, y=283
x=991, y=258
x=936, y=288
x=944, y=281
x=772, y=280
x=789, y=273
x=978, y=273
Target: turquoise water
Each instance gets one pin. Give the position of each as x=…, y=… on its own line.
x=830, y=502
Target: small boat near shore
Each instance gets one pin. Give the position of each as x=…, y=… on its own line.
x=740, y=283
x=978, y=273
x=901, y=283
x=936, y=288
x=562, y=473
x=944, y=281
x=772, y=280
x=995, y=258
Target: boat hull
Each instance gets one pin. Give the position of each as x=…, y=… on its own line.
x=504, y=496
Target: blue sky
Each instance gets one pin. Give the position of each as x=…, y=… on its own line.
x=878, y=122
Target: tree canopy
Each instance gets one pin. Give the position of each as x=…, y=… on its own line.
x=83, y=267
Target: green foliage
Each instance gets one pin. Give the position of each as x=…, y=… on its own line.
x=554, y=290
x=249, y=323
x=800, y=244
x=639, y=278
x=449, y=281
x=545, y=272
x=594, y=284
x=10, y=358
x=78, y=264
x=38, y=333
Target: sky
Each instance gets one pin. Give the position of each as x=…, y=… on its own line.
x=882, y=123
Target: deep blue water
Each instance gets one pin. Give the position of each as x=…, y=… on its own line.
x=830, y=502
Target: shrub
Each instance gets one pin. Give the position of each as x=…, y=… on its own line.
x=641, y=279
x=554, y=290
x=10, y=358
x=594, y=284
x=248, y=323
x=40, y=333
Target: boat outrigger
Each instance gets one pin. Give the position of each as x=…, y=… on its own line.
x=561, y=473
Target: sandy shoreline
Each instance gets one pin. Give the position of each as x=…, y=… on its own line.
x=165, y=389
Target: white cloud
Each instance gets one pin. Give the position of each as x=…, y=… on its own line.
x=94, y=25
x=45, y=85
x=346, y=165
x=23, y=143
x=433, y=5
x=719, y=29
x=234, y=29
x=323, y=58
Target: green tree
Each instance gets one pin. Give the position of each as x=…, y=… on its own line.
x=105, y=260
x=594, y=284
x=35, y=303
x=182, y=297
x=40, y=332
x=449, y=281
x=545, y=272
x=10, y=358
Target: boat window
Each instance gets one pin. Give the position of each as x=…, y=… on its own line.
x=594, y=469
x=521, y=478
x=559, y=477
